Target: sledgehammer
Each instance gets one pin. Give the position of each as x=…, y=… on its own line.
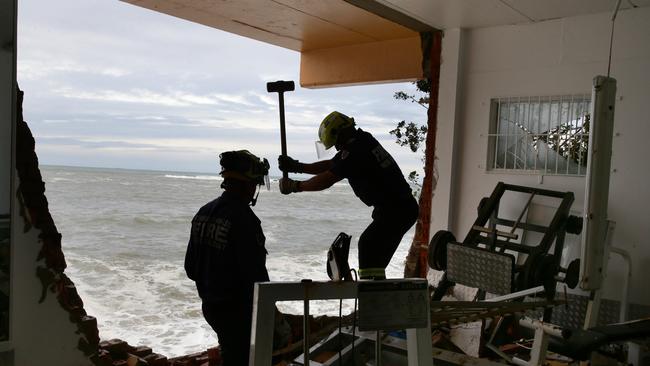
x=280, y=87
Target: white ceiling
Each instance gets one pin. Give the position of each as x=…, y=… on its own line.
x=444, y=14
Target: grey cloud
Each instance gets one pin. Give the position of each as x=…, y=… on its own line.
x=100, y=74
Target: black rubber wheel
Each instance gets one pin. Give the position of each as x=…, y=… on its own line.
x=481, y=204
x=543, y=270
x=574, y=225
x=572, y=274
x=438, y=249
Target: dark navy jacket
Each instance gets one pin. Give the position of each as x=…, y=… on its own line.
x=226, y=254
x=372, y=173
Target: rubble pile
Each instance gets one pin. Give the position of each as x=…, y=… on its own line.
x=116, y=352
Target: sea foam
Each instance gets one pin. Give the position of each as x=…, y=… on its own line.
x=125, y=235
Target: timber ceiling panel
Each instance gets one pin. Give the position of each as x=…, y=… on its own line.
x=300, y=25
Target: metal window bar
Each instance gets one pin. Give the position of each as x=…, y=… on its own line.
x=557, y=127
x=581, y=150
x=523, y=132
x=539, y=122
x=585, y=135
x=498, y=122
x=518, y=134
x=525, y=144
x=548, y=124
x=582, y=134
x=579, y=135
x=570, y=122
x=505, y=146
x=521, y=135
x=517, y=130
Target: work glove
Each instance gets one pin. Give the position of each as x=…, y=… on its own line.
x=289, y=165
x=288, y=185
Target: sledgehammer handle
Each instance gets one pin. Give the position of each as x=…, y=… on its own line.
x=283, y=131
x=280, y=87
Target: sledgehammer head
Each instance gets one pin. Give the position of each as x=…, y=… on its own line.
x=280, y=86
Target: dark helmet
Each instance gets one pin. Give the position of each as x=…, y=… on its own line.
x=242, y=165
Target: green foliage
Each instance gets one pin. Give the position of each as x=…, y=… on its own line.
x=570, y=140
x=422, y=94
x=424, y=86
x=409, y=134
x=413, y=134
x=414, y=181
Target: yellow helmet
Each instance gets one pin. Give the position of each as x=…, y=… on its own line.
x=243, y=165
x=331, y=126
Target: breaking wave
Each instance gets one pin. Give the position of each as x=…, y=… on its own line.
x=197, y=177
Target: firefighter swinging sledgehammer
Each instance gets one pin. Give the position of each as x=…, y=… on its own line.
x=374, y=177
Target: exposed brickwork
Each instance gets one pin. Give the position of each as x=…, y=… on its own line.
x=142, y=351
x=416, y=260
x=155, y=359
x=116, y=352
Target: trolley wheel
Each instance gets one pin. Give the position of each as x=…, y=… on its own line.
x=574, y=225
x=572, y=274
x=438, y=249
x=543, y=271
x=481, y=204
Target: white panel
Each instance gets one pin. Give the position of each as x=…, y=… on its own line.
x=553, y=9
x=268, y=293
x=442, y=205
x=595, y=232
x=444, y=14
x=45, y=326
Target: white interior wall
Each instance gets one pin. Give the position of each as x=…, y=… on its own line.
x=556, y=57
x=450, y=69
x=42, y=333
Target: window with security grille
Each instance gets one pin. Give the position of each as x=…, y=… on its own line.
x=539, y=135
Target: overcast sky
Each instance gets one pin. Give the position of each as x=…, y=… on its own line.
x=109, y=84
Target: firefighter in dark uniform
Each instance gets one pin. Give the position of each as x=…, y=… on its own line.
x=374, y=177
x=226, y=254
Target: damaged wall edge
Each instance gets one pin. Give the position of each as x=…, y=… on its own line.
x=416, y=261
x=46, y=294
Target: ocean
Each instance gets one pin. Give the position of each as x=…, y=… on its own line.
x=125, y=233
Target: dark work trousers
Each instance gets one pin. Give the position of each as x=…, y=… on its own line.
x=378, y=242
x=232, y=322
